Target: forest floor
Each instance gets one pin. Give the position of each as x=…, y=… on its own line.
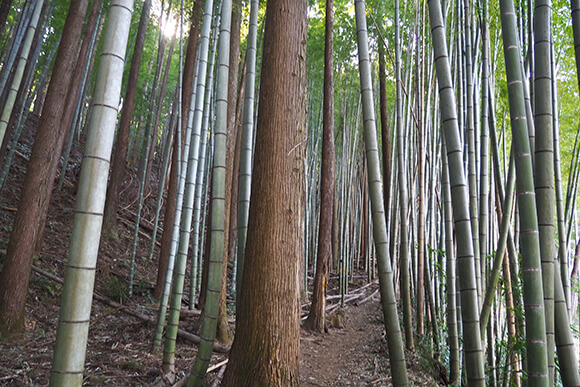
x=353, y=352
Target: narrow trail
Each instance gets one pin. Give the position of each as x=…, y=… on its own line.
x=355, y=355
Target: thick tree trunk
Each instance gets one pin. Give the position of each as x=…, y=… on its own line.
x=122, y=144
x=266, y=347
x=39, y=180
x=317, y=316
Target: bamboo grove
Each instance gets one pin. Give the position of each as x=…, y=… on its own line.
x=290, y=146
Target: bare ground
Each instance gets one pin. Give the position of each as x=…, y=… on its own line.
x=119, y=347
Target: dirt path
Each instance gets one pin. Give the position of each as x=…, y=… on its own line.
x=355, y=355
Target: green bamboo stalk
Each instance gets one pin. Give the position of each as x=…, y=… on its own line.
x=198, y=238
x=484, y=187
x=403, y=197
x=565, y=342
x=506, y=219
x=474, y=358
x=471, y=147
x=25, y=107
x=183, y=163
x=19, y=70
x=452, y=329
x=16, y=42
x=562, y=250
x=186, y=220
x=209, y=324
x=544, y=164
x=245, y=172
x=536, y=354
x=73, y=325
x=164, y=169
x=394, y=338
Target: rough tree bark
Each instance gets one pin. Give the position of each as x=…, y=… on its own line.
x=317, y=316
x=266, y=347
x=39, y=180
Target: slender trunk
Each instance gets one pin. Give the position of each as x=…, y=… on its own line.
x=536, y=354
x=474, y=358
x=388, y=299
x=317, y=317
x=544, y=164
x=403, y=197
x=453, y=337
x=218, y=198
x=171, y=206
x=245, y=173
x=122, y=143
x=8, y=105
x=74, y=318
x=39, y=180
x=190, y=63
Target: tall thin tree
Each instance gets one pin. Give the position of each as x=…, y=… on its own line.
x=474, y=359
x=537, y=357
x=385, y=271
x=317, y=316
x=74, y=318
x=218, y=195
x=122, y=143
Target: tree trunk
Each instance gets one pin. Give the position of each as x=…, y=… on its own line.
x=169, y=217
x=266, y=346
x=536, y=353
x=317, y=316
x=39, y=180
x=403, y=195
x=122, y=144
x=466, y=268
x=190, y=61
x=77, y=293
x=375, y=187
x=223, y=333
x=544, y=165
x=245, y=171
x=18, y=74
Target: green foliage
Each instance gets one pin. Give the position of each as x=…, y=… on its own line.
x=116, y=289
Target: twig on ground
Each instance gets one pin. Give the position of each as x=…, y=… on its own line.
x=367, y=298
x=217, y=347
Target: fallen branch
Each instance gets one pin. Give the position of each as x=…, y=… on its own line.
x=217, y=365
x=334, y=306
x=221, y=365
x=217, y=347
x=368, y=298
x=219, y=376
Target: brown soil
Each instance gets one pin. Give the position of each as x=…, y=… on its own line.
x=119, y=347
x=356, y=355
